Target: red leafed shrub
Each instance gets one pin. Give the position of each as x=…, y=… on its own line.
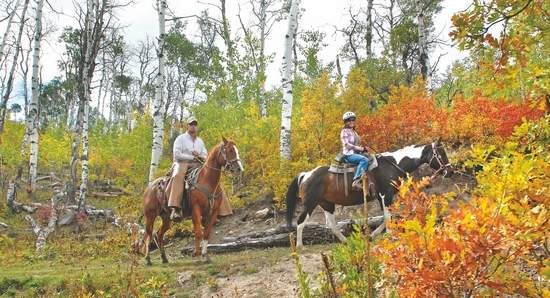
x=43, y=214
x=420, y=120
x=511, y=115
x=396, y=124
x=81, y=218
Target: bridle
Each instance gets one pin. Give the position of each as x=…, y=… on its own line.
x=442, y=166
x=229, y=164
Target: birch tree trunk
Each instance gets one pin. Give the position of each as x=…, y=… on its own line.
x=226, y=35
x=9, y=85
x=43, y=232
x=423, y=58
x=24, y=65
x=88, y=60
x=158, y=124
x=33, y=110
x=8, y=28
x=368, y=35
x=286, y=110
x=261, y=75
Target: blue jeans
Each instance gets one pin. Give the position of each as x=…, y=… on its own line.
x=362, y=163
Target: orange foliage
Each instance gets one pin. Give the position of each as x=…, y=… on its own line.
x=417, y=120
x=474, y=250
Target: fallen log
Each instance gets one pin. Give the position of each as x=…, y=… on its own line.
x=105, y=194
x=279, y=237
x=43, y=232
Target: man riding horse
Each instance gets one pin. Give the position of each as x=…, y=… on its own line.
x=188, y=152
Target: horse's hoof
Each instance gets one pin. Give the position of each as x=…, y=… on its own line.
x=165, y=261
x=148, y=263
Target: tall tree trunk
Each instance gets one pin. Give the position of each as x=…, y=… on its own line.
x=24, y=65
x=261, y=74
x=9, y=85
x=368, y=35
x=286, y=110
x=226, y=35
x=423, y=58
x=35, y=89
x=391, y=27
x=8, y=28
x=158, y=124
x=87, y=73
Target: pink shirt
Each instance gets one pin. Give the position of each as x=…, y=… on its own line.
x=350, y=141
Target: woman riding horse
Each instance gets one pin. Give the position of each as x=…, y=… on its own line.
x=352, y=150
x=319, y=187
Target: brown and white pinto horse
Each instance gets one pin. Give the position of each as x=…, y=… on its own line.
x=205, y=199
x=319, y=187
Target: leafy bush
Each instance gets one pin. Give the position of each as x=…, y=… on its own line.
x=494, y=244
x=417, y=120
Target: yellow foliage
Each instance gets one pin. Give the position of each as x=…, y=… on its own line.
x=403, y=93
x=356, y=95
x=318, y=129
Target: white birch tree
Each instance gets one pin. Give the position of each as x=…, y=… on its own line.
x=11, y=75
x=286, y=110
x=89, y=58
x=8, y=28
x=158, y=117
x=35, y=89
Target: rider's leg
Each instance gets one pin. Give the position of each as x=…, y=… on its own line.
x=175, y=190
x=362, y=163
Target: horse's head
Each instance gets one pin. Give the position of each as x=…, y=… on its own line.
x=434, y=154
x=228, y=157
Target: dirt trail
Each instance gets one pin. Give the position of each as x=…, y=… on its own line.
x=278, y=280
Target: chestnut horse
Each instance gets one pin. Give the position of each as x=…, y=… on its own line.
x=205, y=199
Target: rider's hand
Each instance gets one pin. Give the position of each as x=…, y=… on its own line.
x=195, y=153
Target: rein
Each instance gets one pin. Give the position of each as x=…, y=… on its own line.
x=215, y=194
x=436, y=156
x=391, y=162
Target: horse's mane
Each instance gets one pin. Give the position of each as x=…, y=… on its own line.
x=213, y=154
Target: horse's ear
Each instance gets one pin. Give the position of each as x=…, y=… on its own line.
x=224, y=140
x=438, y=142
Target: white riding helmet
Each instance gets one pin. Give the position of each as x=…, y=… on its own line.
x=348, y=115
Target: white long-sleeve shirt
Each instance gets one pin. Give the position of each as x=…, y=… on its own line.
x=184, y=146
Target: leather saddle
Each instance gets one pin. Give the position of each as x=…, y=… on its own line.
x=342, y=168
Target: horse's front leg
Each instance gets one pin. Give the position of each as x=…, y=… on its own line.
x=387, y=216
x=197, y=217
x=209, y=227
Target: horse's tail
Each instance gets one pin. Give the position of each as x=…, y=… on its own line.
x=291, y=200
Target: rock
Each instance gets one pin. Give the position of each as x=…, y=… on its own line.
x=68, y=218
x=184, y=277
x=263, y=214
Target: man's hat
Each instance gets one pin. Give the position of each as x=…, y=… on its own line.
x=191, y=120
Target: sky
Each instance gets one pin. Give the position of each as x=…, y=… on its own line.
x=140, y=20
